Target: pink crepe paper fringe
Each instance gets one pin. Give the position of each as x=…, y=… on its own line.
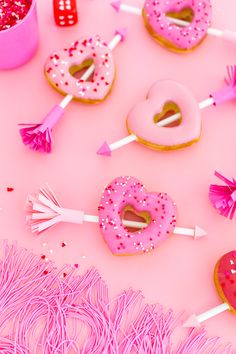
x=37, y=140
x=38, y=137
x=223, y=198
x=229, y=91
x=46, y=310
x=44, y=211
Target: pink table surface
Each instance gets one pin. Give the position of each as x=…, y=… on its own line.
x=180, y=273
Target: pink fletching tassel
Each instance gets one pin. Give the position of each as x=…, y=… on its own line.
x=39, y=136
x=58, y=311
x=229, y=91
x=223, y=198
x=44, y=211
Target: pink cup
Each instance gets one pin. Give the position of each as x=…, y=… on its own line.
x=19, y=43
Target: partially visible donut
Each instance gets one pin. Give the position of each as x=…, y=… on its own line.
x=177, y=38
x=225, y=279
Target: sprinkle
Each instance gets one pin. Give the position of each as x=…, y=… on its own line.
x=44, y=258
x=64, y=244
x=10, y=189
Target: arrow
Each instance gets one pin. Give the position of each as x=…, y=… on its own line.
x=106, y=149
x=196, y=320
x=45, y=211
x=39, y=136
x=196, y=232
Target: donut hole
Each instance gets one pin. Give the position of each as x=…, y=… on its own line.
x=169, y=109
x=186, y=14
x=129, y=213
x=78, y=70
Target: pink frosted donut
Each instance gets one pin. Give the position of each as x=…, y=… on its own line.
x=128, y=194
x=225, y=279
x=175, y=37
x=61, y=66
x=165, y=93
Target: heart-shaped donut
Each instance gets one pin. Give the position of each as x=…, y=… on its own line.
x=63, y=64
x=157, y=13
x=142, y=123
x=225, y=279
x=127, y=193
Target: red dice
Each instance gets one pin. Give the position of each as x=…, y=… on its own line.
x=65, y=12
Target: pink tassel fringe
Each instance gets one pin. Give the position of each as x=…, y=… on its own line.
x=223, y=198
x=38, y=137
x=229, y=92
x=45, y=310
x=35, y=138
x=44, y=211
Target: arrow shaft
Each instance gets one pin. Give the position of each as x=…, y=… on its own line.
x=211, y=31
x=127, y=140
x=206, y=103
x=140, y=225
x=68, y=98
x=91, y=218
x=131, y=9
x=184, y=231
x=213, y=312
x=169, y=120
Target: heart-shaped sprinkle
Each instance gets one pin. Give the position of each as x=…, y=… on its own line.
x=128, y=192
x=225, y=279
x=141, y=119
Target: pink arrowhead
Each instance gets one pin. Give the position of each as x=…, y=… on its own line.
x=122, y=32
x=192, y=321
x=104, y=150
x=116, y=5
x=199, y=232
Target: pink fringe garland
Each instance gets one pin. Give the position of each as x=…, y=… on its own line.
x=51, y=311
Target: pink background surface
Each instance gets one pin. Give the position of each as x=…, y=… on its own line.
x=179, y=274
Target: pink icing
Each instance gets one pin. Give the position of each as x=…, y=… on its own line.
x=181, y=37
x=140, y=119
x=225, y=277
x=125, y=191
x=57, y=69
